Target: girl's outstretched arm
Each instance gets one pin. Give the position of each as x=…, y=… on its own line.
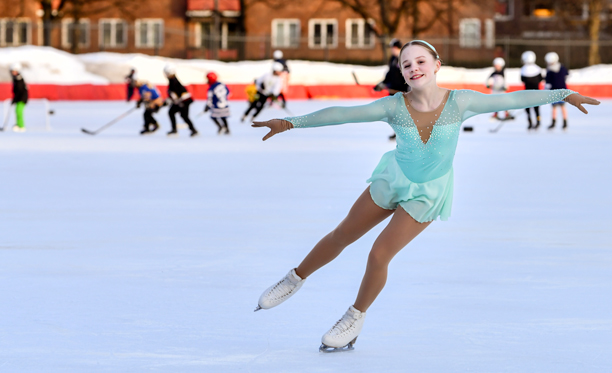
x=472, y=103
x=378, y=110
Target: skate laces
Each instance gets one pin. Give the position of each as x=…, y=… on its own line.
x=344, y=324
x=283, y=288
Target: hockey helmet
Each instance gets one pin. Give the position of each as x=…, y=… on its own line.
x=395, y=43
x=15, y=66
x=278, y=54
x=551, y=58
x=169, y=70
x=277, y=67
x=212, y=77
x=499, y=62
x=528, y=57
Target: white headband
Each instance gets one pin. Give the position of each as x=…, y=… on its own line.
x=429, y=45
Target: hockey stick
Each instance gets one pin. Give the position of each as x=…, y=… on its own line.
x=7, y=116
x=109, y=123
x=501, y=124
x=355, y=77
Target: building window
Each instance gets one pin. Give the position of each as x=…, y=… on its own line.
x=113, y=33
x=322, y=33
x=15, y=31
x=67, y=32
x=469, y=33
x=227, y=38
x=149, y=33
x=359, y=33
x=285, y=33
x=504, y=10
x=489, y=33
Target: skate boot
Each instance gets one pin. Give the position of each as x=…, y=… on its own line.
x=145, y=131
x=16, y=128
x=494, y=118
x=172, y=133
x=530, y=124
x=281, y=291
x=342, y=336
x=508, y=116
x=552, y=125
x=243, y=118
x=155, y=128
x=194, y=133
x=537, y=123
x=564, y=124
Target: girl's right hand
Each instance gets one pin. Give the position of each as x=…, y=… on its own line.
x=275, y=126
x=577, y=100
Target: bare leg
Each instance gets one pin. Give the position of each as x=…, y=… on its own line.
x=401, y=230
x=363, y=216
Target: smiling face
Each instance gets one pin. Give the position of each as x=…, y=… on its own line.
x=418, y=66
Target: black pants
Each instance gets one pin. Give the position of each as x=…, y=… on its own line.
x=148, y=117
x=184, y=111
x=257, y=105
x=221, y=123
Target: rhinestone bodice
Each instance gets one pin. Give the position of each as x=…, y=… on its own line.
x=425, y=160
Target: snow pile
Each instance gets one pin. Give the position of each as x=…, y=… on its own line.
x=45, y=65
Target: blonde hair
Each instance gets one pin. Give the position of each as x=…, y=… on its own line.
x=424, y=44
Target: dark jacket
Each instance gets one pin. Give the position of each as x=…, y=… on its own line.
x=20, y=89
x=394, y=78
x=176, y=90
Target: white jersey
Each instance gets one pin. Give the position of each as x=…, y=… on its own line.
x=269, y=84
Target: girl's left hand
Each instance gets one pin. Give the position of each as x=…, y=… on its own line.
x=275, y=126
x=577, y=100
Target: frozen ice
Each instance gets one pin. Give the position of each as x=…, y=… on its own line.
x=122, y=253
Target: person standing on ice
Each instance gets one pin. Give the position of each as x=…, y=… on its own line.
x=412, y=184
x=394, y=81
x=269, y=84
x=217, y=103
x=20, y=96
x=278, y=57
x=556, y=75
x=497, y=83
x=179, y=99
x=130, y=81
x=150, y=97
x=531, y=76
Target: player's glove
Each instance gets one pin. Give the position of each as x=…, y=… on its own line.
x=138, y=103
x=577, y=100
x=275, y=126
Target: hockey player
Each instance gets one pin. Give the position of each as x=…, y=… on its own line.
x=217, y=103
x=130, y=81
x=150, y=97
x=20, y=95
x=412, y=184
x=278, y=57
x=497, y=84
x=531, y=76
x=179, y=100
x=393, y=82
x=251, y=92
x=269, y=84
x=556, y=74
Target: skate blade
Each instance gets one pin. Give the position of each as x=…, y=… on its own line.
x=258, y=308
x=327, y=349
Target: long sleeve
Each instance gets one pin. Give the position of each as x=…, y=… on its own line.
x=379, y=110
x=472, y=103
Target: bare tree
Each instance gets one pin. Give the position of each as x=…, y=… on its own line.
x=572, y=15
x=595, y=8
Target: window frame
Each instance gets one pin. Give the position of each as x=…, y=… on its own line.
x=287, y=42
x=113, y=39
x=323, y=22
x=16, y=42
x=464, y=40
x=361, y=33
x=150, y=22
x=66, y=22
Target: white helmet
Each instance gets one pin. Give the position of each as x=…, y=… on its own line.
x=169, y=70
x=278, y=67
x=278, y=54
x=15, y=66
x=528, y=57
x=499, y=62
x=551, y=58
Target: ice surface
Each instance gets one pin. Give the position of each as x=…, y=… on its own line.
x=52, y=66
x=122, y=253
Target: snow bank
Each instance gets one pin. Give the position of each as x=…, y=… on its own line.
x=45, y=65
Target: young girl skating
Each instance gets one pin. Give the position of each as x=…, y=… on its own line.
x=413, y=183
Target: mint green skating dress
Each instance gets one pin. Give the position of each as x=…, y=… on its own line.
x=418, y=174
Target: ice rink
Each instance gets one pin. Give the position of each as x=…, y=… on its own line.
x=122, y=253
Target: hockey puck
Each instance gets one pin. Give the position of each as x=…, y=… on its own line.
x=51, y=112
x=468, y=129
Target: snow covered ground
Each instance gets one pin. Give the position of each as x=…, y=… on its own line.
x=122, y=253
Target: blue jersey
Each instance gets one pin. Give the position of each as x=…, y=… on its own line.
x=217, y=100
x=148, y=93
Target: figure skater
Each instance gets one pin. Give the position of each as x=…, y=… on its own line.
x=556, y=74
x=413, y=183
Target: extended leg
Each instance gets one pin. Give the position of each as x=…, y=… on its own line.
x=19, y=106
x=363, y=216
x=401, y=230
x=172, y=114
x=185, y=115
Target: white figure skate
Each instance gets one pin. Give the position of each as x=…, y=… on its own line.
x=342, y=336
x=281, y=291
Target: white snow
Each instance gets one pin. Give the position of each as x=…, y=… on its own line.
x=44, y=65
x=122, y=253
